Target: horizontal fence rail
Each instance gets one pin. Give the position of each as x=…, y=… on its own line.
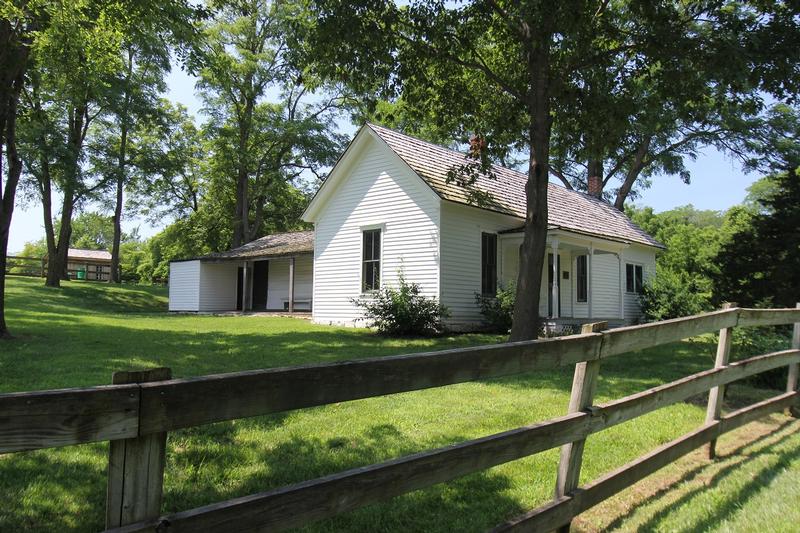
x=149, y=405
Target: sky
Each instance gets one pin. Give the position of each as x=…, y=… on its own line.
x=717, y=182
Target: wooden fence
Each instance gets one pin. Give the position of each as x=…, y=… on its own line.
x=140, y=408
x=17, y=265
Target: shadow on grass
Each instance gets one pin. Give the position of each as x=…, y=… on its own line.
x=733, y=500
x=83, y=297
x=471, y=503
x=214, y=463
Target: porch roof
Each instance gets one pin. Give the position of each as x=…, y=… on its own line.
x=275, y=245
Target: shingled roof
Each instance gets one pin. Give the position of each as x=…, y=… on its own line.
x=568, y=210
x=91, y=255
x=276, y=245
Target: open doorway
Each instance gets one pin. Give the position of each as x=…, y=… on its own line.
x=260, y=284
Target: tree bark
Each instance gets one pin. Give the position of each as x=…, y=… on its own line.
x=526, y=320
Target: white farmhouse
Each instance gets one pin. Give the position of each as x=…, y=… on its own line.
x=387, y=208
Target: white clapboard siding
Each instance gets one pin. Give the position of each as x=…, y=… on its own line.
x=218, y=286
x=638, y=255
x=184, y=284
x=278, y=281
x=461, y=259
x=378, y=190
x=605, y=285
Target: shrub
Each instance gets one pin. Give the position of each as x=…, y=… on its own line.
x=672, y=295
x=498, y=310
x=750, y=342
x=403, y=311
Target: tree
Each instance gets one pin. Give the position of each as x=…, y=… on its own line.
x=19, y=22
x=261, y=146
x=73, y=61
x=169, y=165
x=134, y=98
x=758, y=265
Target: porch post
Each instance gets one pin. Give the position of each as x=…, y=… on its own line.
x=244, y=287
x=291, y=285
x=621, y=285
x=555, y=296
x=589, y=273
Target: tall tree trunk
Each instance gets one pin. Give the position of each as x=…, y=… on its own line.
x=124, y=120
x=57, y=262
x=632, y=175
x=14, y=52
x=115, y=277
x=526, y=321
x=241, y=228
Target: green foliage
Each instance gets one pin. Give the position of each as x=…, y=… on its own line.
x=683, y=283
x=672, y=294
x=498, y=310
x=403, y=311
x=199, y=234
x=262, y=149
x=758, y=265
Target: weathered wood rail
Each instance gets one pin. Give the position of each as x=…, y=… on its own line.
x=140, y=408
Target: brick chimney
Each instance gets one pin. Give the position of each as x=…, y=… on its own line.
x=594, y=185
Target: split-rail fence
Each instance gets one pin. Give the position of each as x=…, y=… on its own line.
x=137, y=411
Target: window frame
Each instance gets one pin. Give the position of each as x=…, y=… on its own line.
x=493, y=265
x=379, y=230
x=582, y=278
x=634, y=278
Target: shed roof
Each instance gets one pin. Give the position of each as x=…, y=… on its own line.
x=93, y=255
x=569, y=210
x=275, y=245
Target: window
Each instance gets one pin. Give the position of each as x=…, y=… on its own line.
x=634, y=278
x=582, y=278
x=488, y=264
x=371, y=260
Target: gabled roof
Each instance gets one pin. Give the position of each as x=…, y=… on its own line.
x=94, y=255
x=568, y=210
x=275, y=245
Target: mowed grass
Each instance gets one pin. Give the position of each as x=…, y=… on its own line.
x=80, y=334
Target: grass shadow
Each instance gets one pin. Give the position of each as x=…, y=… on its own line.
x=732, y=501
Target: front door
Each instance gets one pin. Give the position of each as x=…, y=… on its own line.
x=550, y=284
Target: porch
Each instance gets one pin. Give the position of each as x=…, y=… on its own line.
x=583, y=279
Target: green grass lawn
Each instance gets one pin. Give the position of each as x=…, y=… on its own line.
x=80, y=334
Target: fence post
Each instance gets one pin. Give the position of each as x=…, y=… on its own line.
x=717, y=394
x=584, y=383
x=136, y=465
x=794, y=369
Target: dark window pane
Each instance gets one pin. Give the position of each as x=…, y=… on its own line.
x=582, y=278
x=639, y=278
x=488, y=264
x=371, y=266
x=629, y=283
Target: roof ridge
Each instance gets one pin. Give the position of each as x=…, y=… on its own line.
x=428, y=160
